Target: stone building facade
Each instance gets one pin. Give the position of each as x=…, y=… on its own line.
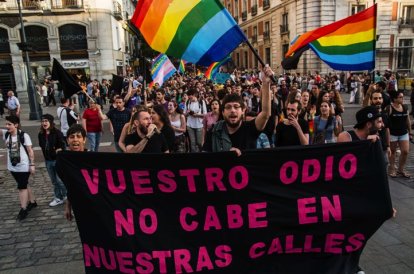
x=91, y=38
x=271, y=25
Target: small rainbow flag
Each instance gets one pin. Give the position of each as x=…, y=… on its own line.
x=214, y=67
x=181, y=67
x=198, y=31
x=348, y=44
x=162, y=69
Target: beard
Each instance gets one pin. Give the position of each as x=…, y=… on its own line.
x=234, y=124
x=143, y=129
x=373, y=131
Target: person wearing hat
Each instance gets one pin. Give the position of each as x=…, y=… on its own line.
x=51, y=141
x=369, y=122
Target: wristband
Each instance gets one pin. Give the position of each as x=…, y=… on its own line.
x=31, y=165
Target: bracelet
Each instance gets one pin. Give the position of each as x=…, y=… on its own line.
x=32, y=165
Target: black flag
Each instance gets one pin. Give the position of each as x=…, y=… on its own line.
x=117, y=83
x=291, y=62
x=69, y=85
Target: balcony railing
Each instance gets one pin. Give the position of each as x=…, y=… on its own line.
x=244, y=15
x=67, y=4
x=266, y=4
x=284, y=29
x=254, y=10
x=406, y=22
x=117, y=11
x=30, y=4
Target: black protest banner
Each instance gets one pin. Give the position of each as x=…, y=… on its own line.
x=296, y=210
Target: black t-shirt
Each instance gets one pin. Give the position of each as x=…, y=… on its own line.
x=169, y=136
x=244, y=138
x=118, y=119
x=286, y=135
x=156, y=144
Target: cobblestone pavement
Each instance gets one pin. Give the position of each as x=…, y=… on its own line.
x=44, y=237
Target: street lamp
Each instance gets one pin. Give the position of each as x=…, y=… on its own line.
x=35, y=112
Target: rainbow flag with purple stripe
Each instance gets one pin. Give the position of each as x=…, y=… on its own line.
x=198, y=31
x=214, y=68
x=162, y=69
x=348, y=44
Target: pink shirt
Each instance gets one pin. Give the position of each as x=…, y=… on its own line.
x=209, y=120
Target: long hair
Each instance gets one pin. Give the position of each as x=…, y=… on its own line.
x=160, y=110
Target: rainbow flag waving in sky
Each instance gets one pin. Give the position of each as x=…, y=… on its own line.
x=214, y=68
x=348, y=44
x=162, y=69
x=198, y=31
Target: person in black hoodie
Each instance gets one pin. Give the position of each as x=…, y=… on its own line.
x=51, y=141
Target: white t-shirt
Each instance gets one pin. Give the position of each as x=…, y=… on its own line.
x=44, y=91
x=195, y=122
x=23, y=166
x=62, y=115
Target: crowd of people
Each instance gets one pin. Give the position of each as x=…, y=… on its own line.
x=189, y=113
x=192, y=114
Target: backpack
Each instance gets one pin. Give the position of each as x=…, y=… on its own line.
x=21, y=139
x=200, y=105
x=69, y=117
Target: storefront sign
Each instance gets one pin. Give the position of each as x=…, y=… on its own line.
x=83, y=63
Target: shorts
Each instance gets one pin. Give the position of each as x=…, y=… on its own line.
x=22, y=179
x=404, y=137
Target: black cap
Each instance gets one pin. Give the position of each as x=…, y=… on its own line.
x=366, y=114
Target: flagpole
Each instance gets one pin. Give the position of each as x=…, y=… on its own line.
x=258, y=58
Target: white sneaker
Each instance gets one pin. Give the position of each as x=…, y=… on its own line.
x=56, y=202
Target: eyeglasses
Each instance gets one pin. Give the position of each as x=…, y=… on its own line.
x=230, y=107
x=400, y=96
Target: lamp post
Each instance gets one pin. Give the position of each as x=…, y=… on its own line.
x=142, y=59
x=35, y=112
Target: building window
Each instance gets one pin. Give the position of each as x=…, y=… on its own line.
x=73, y=42
x=238, y=59
x=244, y=10
x=246, y=60
x=268, y=59
x=254, y=7
x=285, y=48
x=285, y=23
x=357, y=8
x=254, y=37
x=405, y=54
x=266, y=32
x=408, y=15
x=236, y=8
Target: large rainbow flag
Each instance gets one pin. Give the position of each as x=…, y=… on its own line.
x=214, y=67
x=348, y=44
x=162, y=69
x=198, y=31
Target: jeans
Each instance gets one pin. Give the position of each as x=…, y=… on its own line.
x=195, y=135
x=59, y=187
x=93, y=140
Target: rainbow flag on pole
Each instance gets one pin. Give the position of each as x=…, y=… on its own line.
x=348, y=44
x=198, y=31
x=181, y=67
x=214, y=68
x=161, y=70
